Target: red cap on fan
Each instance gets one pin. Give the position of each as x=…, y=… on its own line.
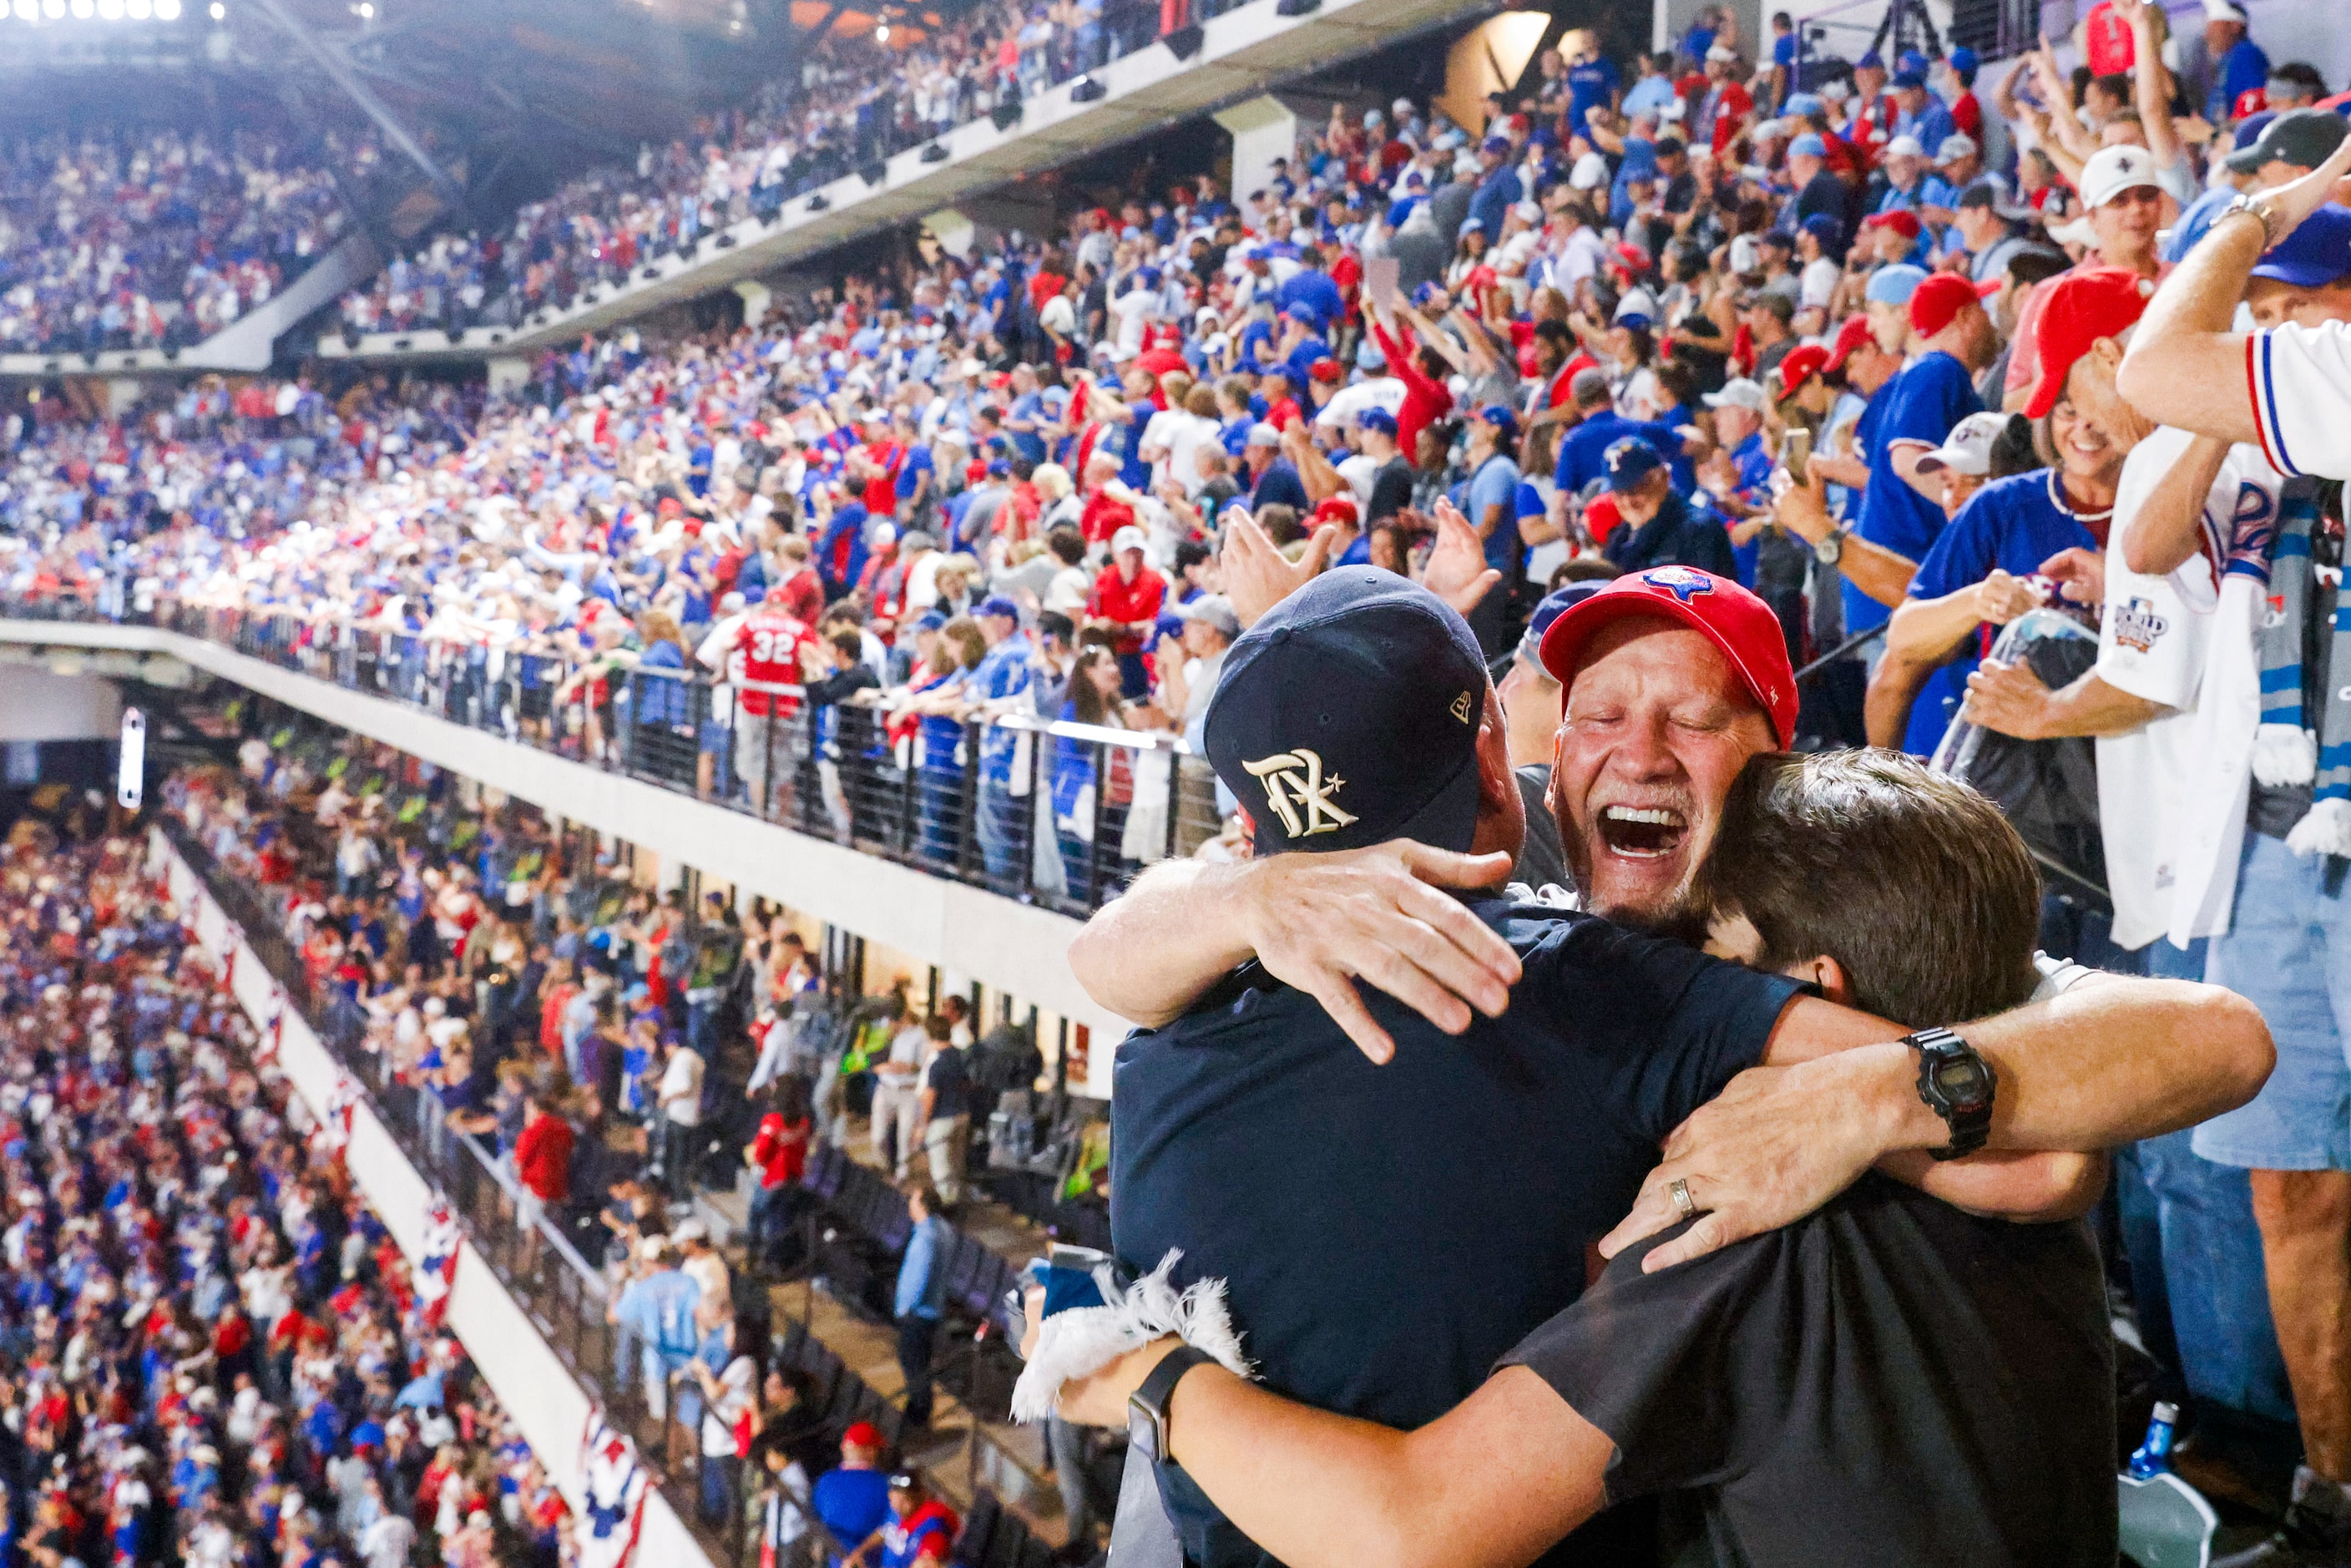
x=1736, y=622
x=1848, y=342
x=1934, y=302
x=2076, y=310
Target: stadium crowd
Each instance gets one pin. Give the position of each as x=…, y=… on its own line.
x=852, y=102
x=150, y=239
x=617, y=1054
x=216, y=1355
x=1843, y=332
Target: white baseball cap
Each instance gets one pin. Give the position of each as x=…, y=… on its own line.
x=1905, y=147
x=2111, y=171
x=1967, y=449
x=1740, y=393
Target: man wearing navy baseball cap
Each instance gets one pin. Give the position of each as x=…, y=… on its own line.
x=1251, y=1136
x=1659, y=527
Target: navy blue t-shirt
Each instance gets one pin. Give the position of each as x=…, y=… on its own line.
x=1388, y=1233
x=1922, y=403
x=2012, y=525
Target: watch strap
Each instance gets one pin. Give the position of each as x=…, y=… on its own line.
x=1150, y=1401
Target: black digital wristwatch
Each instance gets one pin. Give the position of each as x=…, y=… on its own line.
x=1958, y=1084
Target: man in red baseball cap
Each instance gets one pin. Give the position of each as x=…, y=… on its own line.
x=2085, y=313
x=1674, y=678
x=1948, y=297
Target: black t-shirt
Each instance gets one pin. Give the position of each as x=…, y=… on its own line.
x=1889, y=1381
x=1542, y=860
x=1391, y=490
x=950, y=1081
x=1388, y=1233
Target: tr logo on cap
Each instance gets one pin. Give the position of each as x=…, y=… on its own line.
x=1293, y=780
x=1680, y=581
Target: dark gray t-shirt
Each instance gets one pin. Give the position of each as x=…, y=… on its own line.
x=1889, y=1381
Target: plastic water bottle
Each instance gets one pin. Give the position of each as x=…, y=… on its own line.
x=2154, y=1456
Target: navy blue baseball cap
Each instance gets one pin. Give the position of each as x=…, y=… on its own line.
x=1377, y=418
x=2316, y=254
x=929, y=621
x=1348, y=715
x=1501, y=415
x=997, y=604
x=1628, y=462
x=1555, y=603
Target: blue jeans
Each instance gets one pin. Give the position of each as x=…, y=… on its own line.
x=2288, y=951
x=2196, y=1255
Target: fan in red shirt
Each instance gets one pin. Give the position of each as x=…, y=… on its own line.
x=772, y=641
x=542, y=1154
x=776, y=647
x=1127, y=601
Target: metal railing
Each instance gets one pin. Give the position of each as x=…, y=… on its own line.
x=1058, y=815
x=564, y=1296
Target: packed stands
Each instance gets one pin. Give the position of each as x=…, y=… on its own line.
x=441, y=946
x=217, y=1349
x=159, y=239
x=853, y=102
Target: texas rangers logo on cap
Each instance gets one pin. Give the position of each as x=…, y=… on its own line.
x=1681, y=581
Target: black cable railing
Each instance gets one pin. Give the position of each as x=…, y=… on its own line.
x=1060, y=814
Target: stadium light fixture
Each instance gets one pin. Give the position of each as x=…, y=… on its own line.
x=110, y=10
x=1085, y=89
x=881, y=33
x=83, y=10
x=53, y=9
x=1184, y=42
x=167, y=10
x=220, y=11
x=27, y=11
x=140, y=10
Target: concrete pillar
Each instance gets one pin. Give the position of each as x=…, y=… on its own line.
x=756, y=299
x=1262, y=129
x=508, y=372
x=123, y=394
x=954, y=231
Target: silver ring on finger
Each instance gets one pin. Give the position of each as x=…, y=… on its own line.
x=1679, y=1191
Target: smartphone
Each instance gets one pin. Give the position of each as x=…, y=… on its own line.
x=1796, y=452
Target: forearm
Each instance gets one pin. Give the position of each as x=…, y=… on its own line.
x=2169, y=528
x=1148, y=953
x=2184, y=366
x=1881, y=574
x=2090, y=707
x=1319, y=1490
x=1929, y=631
x=2109, y=1061
x=1886, y=706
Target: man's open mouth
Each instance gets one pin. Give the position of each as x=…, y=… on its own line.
x=1642, y=833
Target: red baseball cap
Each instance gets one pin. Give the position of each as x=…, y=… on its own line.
x=1849, y=338
x=1934, y=302
x=863, y=1435
x=1901, y=220
x=1801, y=365
x=1324, y=369
x=1338, y=508
x=1728, y=615
x=2076, y=310
x=1601, y=517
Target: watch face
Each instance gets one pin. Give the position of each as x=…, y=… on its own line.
x=1961, y=1081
